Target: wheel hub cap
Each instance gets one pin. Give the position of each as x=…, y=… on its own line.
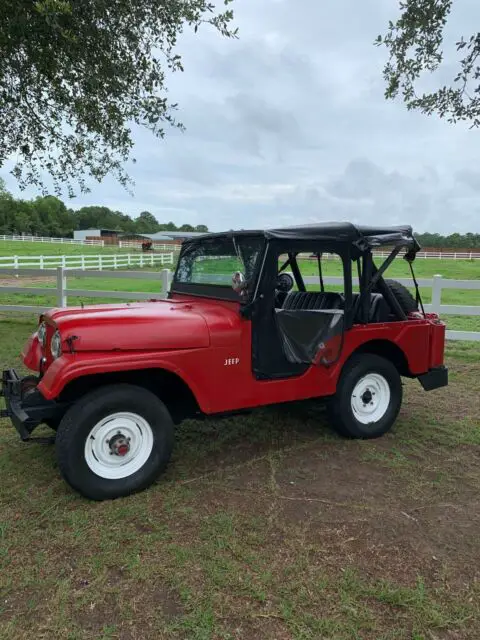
x=119, y=445
x=370, y=398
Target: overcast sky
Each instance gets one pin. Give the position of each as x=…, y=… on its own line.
x=288, y=124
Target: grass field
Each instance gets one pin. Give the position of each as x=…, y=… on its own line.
x=265, y=527
x=16, y=248
x=464, y=270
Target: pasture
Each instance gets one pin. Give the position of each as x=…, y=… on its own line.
x=453, y=269
x=18, y=248
x=266, y=526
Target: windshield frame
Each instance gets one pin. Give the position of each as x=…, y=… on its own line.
x=220, y=291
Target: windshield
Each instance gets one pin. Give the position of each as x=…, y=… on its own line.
x=214, y=261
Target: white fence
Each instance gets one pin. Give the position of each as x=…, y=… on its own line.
x=98, y=243
x=130, y=244
x=428, y=255
x=438, y=255
x=62, y=292
x=437, y=284
x=99, y=262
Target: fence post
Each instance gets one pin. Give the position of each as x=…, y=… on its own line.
x=100, y=262
x=42, y=263
x=165, y=276
x=114, y=260
x=64, y=261
x=83, y=262
x=61, y=287
x=15, y=262
x=437, y=293
x=129, y=259
x=141, y=259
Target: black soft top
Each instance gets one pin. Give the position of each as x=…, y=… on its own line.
x=361, y=237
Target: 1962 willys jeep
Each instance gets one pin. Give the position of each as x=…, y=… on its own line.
x=113, y=380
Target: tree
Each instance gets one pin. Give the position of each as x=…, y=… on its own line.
x=169, y=226
x=201, y=228
x=146, y=223
x=414, y=43
x=3, y=189
x=55, y=219
x=74, y=76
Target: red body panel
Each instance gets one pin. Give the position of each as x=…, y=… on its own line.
x=208, y=344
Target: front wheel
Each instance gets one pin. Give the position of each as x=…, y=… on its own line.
x=114, y=441
x=368, y=397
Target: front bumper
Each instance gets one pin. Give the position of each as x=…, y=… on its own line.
x=434, y=379
x=26, y=410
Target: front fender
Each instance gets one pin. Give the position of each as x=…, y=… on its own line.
x=70, y=367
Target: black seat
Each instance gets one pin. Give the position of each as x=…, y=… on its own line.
x=379, y=309
x=312, y=301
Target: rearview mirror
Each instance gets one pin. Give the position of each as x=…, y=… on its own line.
x=239, y=284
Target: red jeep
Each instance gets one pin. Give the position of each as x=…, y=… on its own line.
x=112, y=380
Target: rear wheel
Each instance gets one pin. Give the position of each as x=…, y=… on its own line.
x=368, y=397
x=114, y=441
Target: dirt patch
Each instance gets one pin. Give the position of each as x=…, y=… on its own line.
x=24, y=281
x=265, y=527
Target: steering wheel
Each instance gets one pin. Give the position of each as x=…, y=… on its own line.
x=285, y=283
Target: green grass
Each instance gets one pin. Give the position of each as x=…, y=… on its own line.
x=18, y=248
x=264, y=526
x=468, y=270
x=460, y=269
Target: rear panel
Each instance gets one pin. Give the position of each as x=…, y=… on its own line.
x=437, y=342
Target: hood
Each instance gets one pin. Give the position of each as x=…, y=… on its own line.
x=146, y=326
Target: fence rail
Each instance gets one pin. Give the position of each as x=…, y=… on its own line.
x=94, y=261
x=63, y=293
x=127, y=244
x=428, y=255
x=437, y=284
x=98, y=243
x=131, y=244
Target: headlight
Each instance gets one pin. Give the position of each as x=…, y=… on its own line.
x=56, y=345
x=42, y=333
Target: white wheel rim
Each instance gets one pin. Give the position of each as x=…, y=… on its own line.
x=119, y=445
x=371, y=398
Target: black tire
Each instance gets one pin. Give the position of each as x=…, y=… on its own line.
x=76, y=425
x=403, y=295
x=341, y=411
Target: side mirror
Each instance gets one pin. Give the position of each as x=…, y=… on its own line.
x=239, y=283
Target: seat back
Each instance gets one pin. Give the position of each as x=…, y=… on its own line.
x=312, y=300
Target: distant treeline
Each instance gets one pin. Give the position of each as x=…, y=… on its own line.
x=452, y=241
x=48, y=216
